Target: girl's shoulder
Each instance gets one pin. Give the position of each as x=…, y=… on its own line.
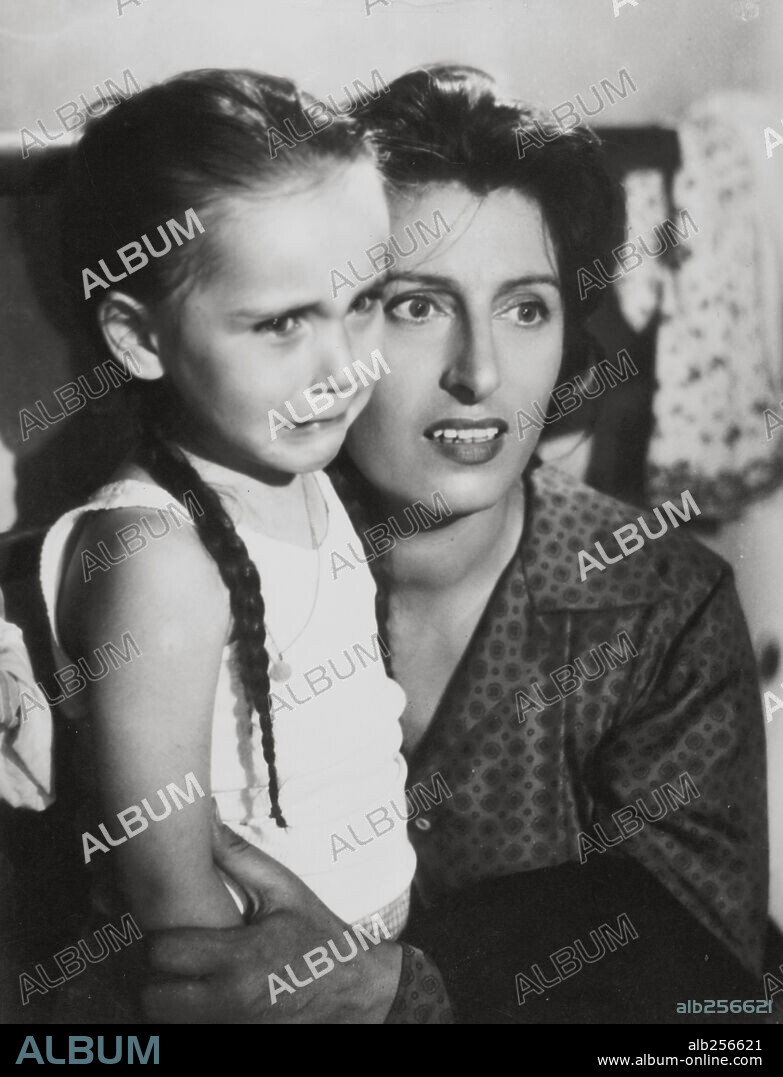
x=131, y=547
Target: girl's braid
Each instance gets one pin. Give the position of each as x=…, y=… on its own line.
x=363, y=508
x=171, y=469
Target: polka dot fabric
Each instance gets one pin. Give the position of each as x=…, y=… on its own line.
x=718, y=346
x=421, y=997
x=523, y=791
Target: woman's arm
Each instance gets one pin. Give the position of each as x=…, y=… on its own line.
x=151, y=719
x=597, y=943
x=699, y=733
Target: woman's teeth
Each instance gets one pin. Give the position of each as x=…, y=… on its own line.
x=475, y=434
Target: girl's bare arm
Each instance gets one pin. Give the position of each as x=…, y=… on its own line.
x=151, y=719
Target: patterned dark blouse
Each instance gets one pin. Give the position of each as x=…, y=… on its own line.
x=556, y=742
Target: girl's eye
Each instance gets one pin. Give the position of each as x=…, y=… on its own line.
x=365, y=304
x=413, y=309
x=279, y=327
x=531, y=312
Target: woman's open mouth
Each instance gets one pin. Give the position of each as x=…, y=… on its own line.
x=468, y=441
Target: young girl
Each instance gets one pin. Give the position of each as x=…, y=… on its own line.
x=249, y=672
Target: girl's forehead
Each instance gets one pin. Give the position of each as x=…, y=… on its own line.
x=306, y=194
x=295, y=234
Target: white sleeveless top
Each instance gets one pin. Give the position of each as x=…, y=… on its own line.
x=336, y=720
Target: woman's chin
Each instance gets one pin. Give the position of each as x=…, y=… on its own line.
x=475, y=488
x=463, y=494
x=467, y=486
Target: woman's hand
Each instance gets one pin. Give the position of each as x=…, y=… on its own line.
x=223, y=975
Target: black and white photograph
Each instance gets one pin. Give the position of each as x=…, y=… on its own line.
x=391, y=525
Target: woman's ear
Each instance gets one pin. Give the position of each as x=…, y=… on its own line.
x=127, y=327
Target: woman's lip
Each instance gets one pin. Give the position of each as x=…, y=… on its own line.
x=469, y=452
x=463, y=423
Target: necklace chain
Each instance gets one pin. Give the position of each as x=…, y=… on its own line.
x=279, y=670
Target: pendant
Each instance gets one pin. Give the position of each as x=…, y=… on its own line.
x=279, y=670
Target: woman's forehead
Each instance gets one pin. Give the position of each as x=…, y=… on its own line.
x=506, y=226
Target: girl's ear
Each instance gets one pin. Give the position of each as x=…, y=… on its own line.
x=127, y=328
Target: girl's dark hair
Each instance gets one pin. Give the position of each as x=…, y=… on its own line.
x=185, y=144
x=448, y=123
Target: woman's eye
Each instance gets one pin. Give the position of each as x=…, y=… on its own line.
x=413, y=309
x=279, y=327
x=528, y=313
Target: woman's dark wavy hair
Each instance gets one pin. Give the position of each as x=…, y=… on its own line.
x=448, y=123
x=185, y=144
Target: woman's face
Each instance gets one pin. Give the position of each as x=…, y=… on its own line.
x=473, y=332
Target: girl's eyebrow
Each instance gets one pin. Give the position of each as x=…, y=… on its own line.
x=378, y=281
x=248, y=314
x=317, y=306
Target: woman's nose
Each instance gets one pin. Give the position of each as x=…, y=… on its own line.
x=472, y=373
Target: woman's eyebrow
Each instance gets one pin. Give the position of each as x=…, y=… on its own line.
x=430, y=279
x=532, y=278
x=437, y=281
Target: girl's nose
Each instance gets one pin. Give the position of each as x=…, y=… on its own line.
x=334, y=357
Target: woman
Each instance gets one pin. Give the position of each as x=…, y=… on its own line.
x=568, y=706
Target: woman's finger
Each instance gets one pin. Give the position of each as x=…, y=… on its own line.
x=263, y=879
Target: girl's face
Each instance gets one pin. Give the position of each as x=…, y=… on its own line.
x=261, y=325
x=474, y=332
